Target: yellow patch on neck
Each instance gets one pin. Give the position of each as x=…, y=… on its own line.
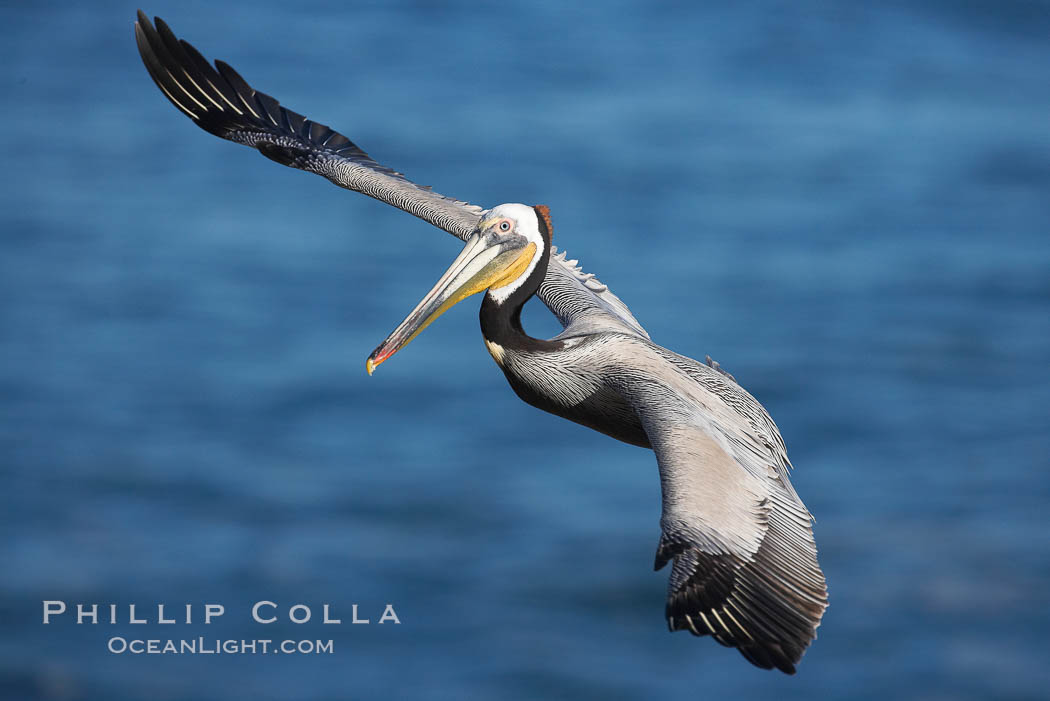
x=513, y=271
x=479, y=284
x=496, y=351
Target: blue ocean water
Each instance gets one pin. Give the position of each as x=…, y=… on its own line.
x=846, y=204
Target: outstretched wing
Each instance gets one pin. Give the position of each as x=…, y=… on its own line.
x=221, y=102
x=745, y=565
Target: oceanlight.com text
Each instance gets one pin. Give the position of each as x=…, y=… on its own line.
x=214, y=646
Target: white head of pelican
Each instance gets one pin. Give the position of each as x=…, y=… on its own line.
x=506, y=258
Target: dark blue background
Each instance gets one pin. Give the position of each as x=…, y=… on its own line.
x=845, y=204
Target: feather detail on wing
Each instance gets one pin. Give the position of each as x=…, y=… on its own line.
x=745, y=567
x=581, y=302
x=222, y=103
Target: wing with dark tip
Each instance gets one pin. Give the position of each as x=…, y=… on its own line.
x=745, y=567
x=222, y=103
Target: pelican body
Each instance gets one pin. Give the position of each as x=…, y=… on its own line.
x=745, y=567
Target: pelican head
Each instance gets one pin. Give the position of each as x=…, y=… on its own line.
x=500, y=256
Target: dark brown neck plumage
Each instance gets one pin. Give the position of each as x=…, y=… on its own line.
x=501, y=321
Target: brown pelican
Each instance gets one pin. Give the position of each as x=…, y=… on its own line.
x=745, y=565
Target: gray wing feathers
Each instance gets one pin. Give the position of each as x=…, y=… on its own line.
x=745, y=567
x=458, y=218
x=221, y=102
x=582, y=303
x=713, y=378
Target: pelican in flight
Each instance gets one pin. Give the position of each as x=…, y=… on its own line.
x=739, y=539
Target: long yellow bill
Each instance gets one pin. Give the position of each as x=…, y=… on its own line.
x=482, y=264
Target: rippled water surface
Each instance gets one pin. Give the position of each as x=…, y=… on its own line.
x=845, y=204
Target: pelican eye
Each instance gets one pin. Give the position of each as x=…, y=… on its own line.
x=504, y=225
